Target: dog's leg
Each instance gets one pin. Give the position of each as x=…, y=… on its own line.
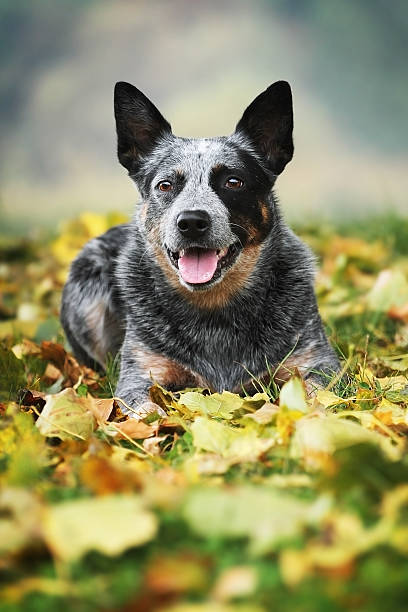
x=90, y=310
x=315, y=361
x=140, y=368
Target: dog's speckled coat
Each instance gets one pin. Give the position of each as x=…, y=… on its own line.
x=125, y=291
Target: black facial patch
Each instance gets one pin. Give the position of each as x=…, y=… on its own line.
x=250, y=213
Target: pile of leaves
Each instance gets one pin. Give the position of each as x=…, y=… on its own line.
x=226, y=504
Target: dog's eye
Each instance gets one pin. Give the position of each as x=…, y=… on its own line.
x=234, y=183
x=165, y=186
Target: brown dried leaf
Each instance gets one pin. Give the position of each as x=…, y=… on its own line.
x=102, y=476
x=135, y=429
x=399, y=313
x=51, y=374
x=101, y=408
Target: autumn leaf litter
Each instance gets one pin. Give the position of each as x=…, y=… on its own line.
x=238, y=487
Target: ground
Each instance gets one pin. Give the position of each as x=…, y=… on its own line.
x=275, y=502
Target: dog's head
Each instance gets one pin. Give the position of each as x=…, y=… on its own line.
x=206, y=202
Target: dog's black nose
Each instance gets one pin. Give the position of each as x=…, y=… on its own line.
x=193, y=223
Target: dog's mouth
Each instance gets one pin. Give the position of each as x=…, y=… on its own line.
x=199, y=266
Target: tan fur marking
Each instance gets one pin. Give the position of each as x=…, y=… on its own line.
x=166, y=371
x=253, y=233
x=264, y=212
x=219, y=295
x=297, y=361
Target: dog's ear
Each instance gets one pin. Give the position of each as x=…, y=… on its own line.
x=139, y=125
x=268, y=122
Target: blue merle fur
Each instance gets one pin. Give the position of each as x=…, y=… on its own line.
x=121, y=297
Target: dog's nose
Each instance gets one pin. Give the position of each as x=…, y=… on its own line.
x=193, y=223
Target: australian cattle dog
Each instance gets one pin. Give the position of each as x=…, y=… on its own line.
x=207, y=283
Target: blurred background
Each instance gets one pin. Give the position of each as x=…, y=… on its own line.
x=201, y=63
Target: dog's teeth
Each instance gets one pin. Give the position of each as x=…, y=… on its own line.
x=222, y=253
x=181, y=253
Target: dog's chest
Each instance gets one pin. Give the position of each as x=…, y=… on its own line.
x=218, y=353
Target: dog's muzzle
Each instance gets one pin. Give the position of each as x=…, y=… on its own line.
x=200, y=266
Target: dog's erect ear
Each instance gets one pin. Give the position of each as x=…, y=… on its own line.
x=139, y=125
x=268, y=122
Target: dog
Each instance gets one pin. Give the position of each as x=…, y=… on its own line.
x=207, y=286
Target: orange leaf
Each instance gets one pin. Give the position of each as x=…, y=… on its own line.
x=135, y=429
x=399, y=313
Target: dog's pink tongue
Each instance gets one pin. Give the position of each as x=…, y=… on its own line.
x=198, y=265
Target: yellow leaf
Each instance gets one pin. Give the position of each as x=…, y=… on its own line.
x=94, y=224
x=109, y=525
x=222, y=405
x=285, y=424
x=396, y=362
x=238, y=581
x=263, y=515
x=234, y=444
x=328, y=398
x=206, y=463
x=393, y=383
x=26, y=347
x=264, y=415
x=294, y=566
x=66, y=415
x=19, y=516
x=316, y=439
x=365, y=375
x=293, y=396
x=390, y=413
x=390, y=289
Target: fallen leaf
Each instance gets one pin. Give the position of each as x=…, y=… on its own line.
x=328, y=399
x=66, y=415
x=152, y=444
x=26, y=347
x=222, y=405
x=293, y=396
x=317, y=438
x=396, y=362
x=109, y=525
x=101, y=408
x=19, y=519
x=264, y=516
x=213, y=606
x=102, y=476
x=51, y=373
x=400, y=313
x=390, y=290
x=176, y=574
x=264, y=415
x=237, y=445
x=134, y=429
x=238, y=581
